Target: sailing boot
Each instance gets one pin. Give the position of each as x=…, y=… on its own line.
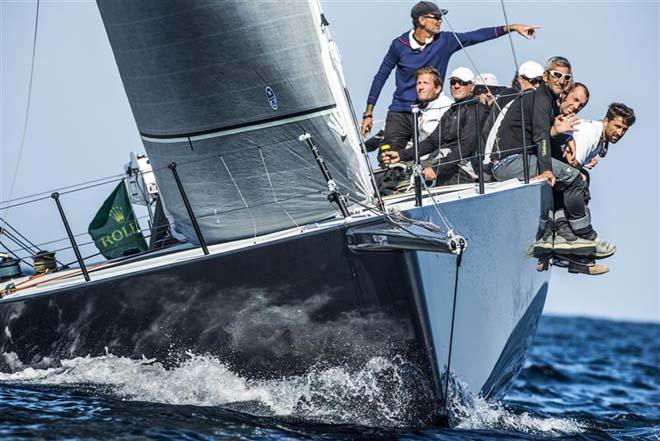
x=543, y=244
x=567, y=242
x=582, y=229
x=586, y=265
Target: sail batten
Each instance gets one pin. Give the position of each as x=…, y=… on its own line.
x=225, y=89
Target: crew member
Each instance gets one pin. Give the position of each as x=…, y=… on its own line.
x=424, y=45
x=591, y=139
x=456, y=134
x=528, y=122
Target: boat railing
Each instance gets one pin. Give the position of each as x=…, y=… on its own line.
x=74, y=250
x=77, y=247
x=24, y=249
x=77, y=250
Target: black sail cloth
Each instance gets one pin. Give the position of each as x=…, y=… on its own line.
x=225, y=89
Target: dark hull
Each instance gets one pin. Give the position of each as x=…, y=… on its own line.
x=269, y=310
x=276, y=310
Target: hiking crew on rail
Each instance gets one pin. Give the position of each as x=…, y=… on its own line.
x=539, y=111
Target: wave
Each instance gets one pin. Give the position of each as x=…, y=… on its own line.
x=381, y=394
x=482, y=415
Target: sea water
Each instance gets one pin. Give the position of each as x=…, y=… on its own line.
x=583, y=379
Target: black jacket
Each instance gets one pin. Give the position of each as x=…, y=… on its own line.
x=537, y=110
x=503, y=98
x=457, y=132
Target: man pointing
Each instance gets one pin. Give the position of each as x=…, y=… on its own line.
x=424, y=45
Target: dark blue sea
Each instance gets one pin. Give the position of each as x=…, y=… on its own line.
x=584, y=379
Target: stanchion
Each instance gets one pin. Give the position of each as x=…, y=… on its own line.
x=72, y=239
x=418, y=167
x=480, y=154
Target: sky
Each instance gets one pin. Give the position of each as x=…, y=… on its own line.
x=80, y=126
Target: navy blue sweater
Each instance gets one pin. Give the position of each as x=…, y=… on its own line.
x=407, y=61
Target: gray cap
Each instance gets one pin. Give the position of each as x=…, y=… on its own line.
x=427, y=8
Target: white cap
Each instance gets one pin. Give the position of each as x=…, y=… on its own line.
x=488, y=79
x=463, y=74
x=530, y=69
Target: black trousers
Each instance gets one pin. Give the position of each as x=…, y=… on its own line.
x=398, y=129
x=572, y=193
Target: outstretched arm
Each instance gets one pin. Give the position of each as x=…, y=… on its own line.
x=485, y=34
x=527, y=31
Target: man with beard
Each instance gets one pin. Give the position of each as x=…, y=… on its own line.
x=456, y=134
x=529, y=122
x=424, y=45
x=590, y=142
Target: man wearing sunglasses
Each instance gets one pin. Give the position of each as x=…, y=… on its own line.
x=456, y=134
x=528, y=77
x=529, y=121
x=424, y=45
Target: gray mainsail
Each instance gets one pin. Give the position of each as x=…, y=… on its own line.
x=225, y=89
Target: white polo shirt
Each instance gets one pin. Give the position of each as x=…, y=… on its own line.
x=588, y=140
x=413, y=43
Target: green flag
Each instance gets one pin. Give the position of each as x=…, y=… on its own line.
x=114, y=228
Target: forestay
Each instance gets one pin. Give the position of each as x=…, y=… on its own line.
x=225, y=89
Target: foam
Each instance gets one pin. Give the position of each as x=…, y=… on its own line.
x=482, y=415
x=378, y=395
x=334, y=395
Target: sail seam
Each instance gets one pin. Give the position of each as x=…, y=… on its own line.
x=241, y=128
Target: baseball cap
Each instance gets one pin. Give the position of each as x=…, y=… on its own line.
x=427, y=8
x=463, y=74
x=488, y=79
x=530, y=69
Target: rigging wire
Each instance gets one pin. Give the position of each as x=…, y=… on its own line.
x=506, y=22
x=459, y=258
x=474, y=65
x=47, y=193
x=522, y=112
x=438, y=210
x=27, y=113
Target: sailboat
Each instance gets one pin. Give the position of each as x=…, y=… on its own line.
x=292, y=260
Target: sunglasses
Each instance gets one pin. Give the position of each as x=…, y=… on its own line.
x=455, y=81
x=533, y=81
x=559, y=75
x=435, y=17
